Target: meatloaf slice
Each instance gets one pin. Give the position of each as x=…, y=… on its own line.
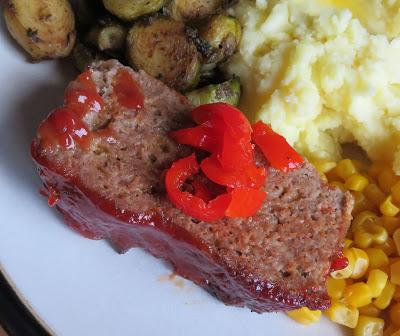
x=113, y=189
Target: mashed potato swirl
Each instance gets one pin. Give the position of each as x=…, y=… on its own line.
x=323, y=73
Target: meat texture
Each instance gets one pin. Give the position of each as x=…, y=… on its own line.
x=113, y=189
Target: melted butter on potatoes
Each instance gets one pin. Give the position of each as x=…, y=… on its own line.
x=323, y=73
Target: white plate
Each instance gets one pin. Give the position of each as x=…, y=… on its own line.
x=82, y=287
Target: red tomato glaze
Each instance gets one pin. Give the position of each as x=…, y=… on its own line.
x=127, y=91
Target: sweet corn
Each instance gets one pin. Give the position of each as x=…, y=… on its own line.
x=374, y=194
x=396, y=239
x=356, y=182
x=376, y=168
x=395, y=273
x=396, y=295
x=335, y=287
x=377, y=258
x=348, y=270
x=363, y=220
x=369, y=326
x=387, y=179
x=340, y=313
x=396, y=192
x=345, y=169
x=348, y=243
x=324, y=166
x=358, y=294
x=305, y=315
x=376, y=282
x=394, y=313
x=389, y=223
x=396, y=333
x=369, y=310
x=387, y=207
x=338, y=184
x=383, y=300
x=388, y=247
x=362, y=239
x=361, y=263
x=361, y=203
x=390, y=330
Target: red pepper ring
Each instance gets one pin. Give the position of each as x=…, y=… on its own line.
x=275, y=148
x=189, y=204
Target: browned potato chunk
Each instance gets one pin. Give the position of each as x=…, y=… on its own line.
x=188, y=10
x=129, y=10
x=161, y=47
x=44, y=28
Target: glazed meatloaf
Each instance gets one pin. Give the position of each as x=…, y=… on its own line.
x=107, y=179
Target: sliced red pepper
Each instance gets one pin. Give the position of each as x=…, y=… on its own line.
x=200, y=137
x=249, y=176
x=191, y=205
x=275, y=148
x=201, y=191
x=245, y=202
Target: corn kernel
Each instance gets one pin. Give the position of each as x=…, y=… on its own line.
x=369, y=310
x=342, y=314
x=324, y=166
x=383, y=300
x=338, y=184
x=356, y=182
x=376, y=282
x=390, y=330
x=396, y=239
x=348, y=270
x=396, y=192
x=369, y=326
x=335, y=287
x=374, y=194
x=397, y=333
x=387, y=207
x=345, y=169
x=362, y=239
x=387, y=179
x=361, y=203
x=362, y=219
x=348, y=243
x=394, y=313
x=389, y=223
x=395, y=273
x=305, y=315
x=388, y=247
x=377, y=258
x=358, y=294
x=361, y=263
x=396, y=295
x=376, y=168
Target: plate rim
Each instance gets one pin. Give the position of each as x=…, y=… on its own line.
x=17, y=316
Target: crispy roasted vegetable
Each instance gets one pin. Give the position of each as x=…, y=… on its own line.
x=86, y=12
x=189, y=10
x=109, y=37
x=161, y=47
x=129, y=10
x=83, y=56
x=44, y=28
x=222, y=33
x=226, y=92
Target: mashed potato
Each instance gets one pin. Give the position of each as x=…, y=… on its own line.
x=323, y=73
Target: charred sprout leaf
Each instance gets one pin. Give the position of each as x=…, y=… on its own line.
x=189, y=10
x=129, y=10
x=82, y=56
x=45, y=29
x=161, y=47
x=227, y=92
x=109, y=37
x=222, y=33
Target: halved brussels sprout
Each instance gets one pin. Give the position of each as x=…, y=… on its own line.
x=161, y=47
x=129, y=10
x=188, y=10
x=226, y=92
x=45, y=29
x=222, y=33
x=110, y=36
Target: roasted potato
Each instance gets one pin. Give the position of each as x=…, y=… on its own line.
x=222, y=34
x=226, y=92
x=189, y=10
x=161, y=47
x=129, y=10
x=108, y=37
x=83, y=56
x=44, y=28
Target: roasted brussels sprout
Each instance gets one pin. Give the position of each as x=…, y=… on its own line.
x=161, y=47
x=226, y=92
x=83, y=56
x=129, y=10
x=45, y=29
x=222, y=33
x=189, y=10
x=109, y=37
x=86, y=12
